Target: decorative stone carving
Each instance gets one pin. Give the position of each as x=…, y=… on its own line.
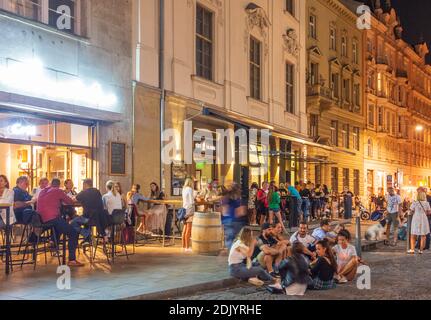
x=257, y=18
x=291, y=44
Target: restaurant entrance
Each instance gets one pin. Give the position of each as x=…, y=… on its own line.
x=41, y=148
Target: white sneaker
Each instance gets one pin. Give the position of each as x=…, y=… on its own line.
x=256, y=282
x=342, y=280
x=411, y=251
x=189, y=250
x=276, y=286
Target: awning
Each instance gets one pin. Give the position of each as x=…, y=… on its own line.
x=10, y=102
x=298, y=158
x=276, y=131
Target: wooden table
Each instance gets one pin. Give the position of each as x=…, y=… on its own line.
x=6, y=206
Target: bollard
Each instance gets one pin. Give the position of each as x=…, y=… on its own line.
x=358, y=236
x=409, y=226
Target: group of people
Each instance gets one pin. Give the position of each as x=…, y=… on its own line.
x=303, y=201
x=314, y=261
x=55, y=204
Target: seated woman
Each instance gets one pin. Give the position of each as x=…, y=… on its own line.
x=240, y=265
x=294, y=271
x=6, y=196
x=155, y=216
x=323, y=268
x=347, y=259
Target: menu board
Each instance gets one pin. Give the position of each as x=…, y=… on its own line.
x=117, y=159
x=178, y=177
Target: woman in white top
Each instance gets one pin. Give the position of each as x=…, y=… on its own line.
x=112, y=200
x=347, y=258
x=189, y=206
x=6, y=197
x=420, y=224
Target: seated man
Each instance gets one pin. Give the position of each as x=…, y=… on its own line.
x=323, y=233
x=22, y=201
x=266, y=253
x=50, y=201
x=43, y=183
x=309, y=242
x=94, y=211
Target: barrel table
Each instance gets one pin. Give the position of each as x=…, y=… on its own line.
x=207, y=233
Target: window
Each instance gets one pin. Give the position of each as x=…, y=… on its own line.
x=312, y=27
x=346, y=89
x=370, y=148
x=379, y=82
x=59, y=14
x=369, y=45
x=314, y=73
x=345, y=136
x=335, y=85
x=355, y=52
x=334, y=179
x=356, y=182
x=357, y=94
x=380, y=117
x=255, y=68
x=356, y=139
x=344, y=46
x=204, y=43
x=314, y=125
x=333, y=38
x=346, y=178
x=290, y=88
x=290, y=6
x=334, y=132
x=371, y=115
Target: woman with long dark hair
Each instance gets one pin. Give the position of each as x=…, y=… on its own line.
x=323, y=268
x=6, y=196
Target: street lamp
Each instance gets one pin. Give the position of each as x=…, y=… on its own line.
x=419, y=128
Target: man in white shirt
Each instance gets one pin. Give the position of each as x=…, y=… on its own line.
x=394, y=209
x=306, y=239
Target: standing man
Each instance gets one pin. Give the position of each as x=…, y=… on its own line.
x=295, y=204
x=348, y=203
x=394, y=209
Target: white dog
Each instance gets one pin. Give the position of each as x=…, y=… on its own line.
x=376, y=232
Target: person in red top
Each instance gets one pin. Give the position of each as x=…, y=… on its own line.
x=49, y=208
x=262, y=202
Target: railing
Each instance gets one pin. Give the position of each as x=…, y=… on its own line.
x=382, y=60
x=318, y=90
x=400, y=73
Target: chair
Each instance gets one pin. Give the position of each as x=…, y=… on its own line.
x=43, y=233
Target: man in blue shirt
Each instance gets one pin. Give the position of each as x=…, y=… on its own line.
x=22, y=201
x=322, y=233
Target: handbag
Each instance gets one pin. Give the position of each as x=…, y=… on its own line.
x=181, y=214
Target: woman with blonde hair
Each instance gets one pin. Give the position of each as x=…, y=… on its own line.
x=420, y=224
x=189, y=206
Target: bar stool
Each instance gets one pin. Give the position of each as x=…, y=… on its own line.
x=44, y=233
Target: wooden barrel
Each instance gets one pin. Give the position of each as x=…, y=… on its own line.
x=207, y=235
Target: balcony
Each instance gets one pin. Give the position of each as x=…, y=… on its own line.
x=382, y=60
x=401, y=74
x=321, y=96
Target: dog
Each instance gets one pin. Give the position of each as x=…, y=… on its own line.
x=376, y=232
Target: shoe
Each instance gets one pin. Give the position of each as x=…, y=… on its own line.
x=75, y=263
x=337, y=277
x=276, y=286
x=342, y=280
x=188, y=250
x=411, y=252
x=256, y=282
x=85, y=243
x=275, y=274
x=420, y=252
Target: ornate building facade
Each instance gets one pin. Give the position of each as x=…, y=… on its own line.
x=335, y=94
x=398, y=106
x=227, y=65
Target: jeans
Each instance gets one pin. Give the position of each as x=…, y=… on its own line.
x=77, y=224
x=240, y=271
x=62, y=227
x=305, y=207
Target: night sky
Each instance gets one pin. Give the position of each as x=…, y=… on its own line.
x=415, y=18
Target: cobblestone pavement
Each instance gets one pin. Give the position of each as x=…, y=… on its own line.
x=394, y=275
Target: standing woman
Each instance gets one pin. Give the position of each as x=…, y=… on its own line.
x=252, y=196
x=420, y=225
x=274, y=206
x=6, y=196
x=189, y=206
x=348, y=203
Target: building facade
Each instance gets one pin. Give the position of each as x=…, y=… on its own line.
x=335, y=94
x=65, y=90
x=398, y=101
x=225, y=65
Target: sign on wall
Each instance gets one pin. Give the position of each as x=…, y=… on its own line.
x=117, y=159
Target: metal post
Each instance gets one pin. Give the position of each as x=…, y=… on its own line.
x=358, y=236
x=7, y=235
x=409, y=226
